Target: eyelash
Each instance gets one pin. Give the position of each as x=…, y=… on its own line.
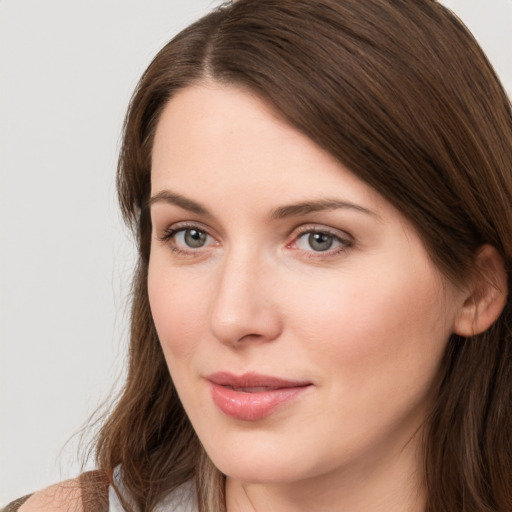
x=346, y=242
x=171, y=232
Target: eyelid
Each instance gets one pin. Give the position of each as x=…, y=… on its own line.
x=321, y=228
x=170, y=229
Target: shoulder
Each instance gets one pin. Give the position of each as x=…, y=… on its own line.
x=62, y=497
x=87, y=493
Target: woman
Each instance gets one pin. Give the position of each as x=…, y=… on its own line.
x=320, y=191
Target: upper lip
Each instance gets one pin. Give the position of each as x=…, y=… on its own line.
x=254, y=380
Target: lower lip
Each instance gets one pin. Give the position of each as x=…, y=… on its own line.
x=253, y=406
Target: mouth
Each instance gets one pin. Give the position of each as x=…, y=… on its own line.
x=253, y=397
x=257, y=389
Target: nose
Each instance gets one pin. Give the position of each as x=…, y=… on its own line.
x=244, y=308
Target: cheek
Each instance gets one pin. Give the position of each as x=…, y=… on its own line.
x=177, y=307
x=371, y=329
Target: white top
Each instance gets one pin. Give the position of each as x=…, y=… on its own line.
x=182, y=499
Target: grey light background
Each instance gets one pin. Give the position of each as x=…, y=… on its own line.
x=67, y=70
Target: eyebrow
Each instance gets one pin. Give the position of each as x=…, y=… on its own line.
x=282, y=212
x=303, y=208
x=166, y=196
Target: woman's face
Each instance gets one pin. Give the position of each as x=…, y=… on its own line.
x=300, y=316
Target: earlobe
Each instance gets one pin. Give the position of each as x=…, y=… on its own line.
x=487, y=294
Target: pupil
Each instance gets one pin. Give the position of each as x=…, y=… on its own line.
x=320, y=241
x=194, y=238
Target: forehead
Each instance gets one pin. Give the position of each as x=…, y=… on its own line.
x=220, y=123
x=218, y=139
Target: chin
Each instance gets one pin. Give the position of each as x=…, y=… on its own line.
x=264, y=472
x=262, y=465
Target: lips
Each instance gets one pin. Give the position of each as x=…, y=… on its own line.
x=253, y=397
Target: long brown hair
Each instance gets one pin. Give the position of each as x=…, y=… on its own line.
x=400, y=93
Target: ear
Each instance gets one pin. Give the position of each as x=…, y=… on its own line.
x=487, y=294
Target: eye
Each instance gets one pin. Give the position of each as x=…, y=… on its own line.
x=191, y=237
x=317, y=241
x=321, y=241
x=186, y=240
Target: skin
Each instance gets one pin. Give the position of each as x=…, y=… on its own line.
x=364, y=322
x=65, y=496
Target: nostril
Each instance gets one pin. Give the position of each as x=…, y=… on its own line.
x=255, y=325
